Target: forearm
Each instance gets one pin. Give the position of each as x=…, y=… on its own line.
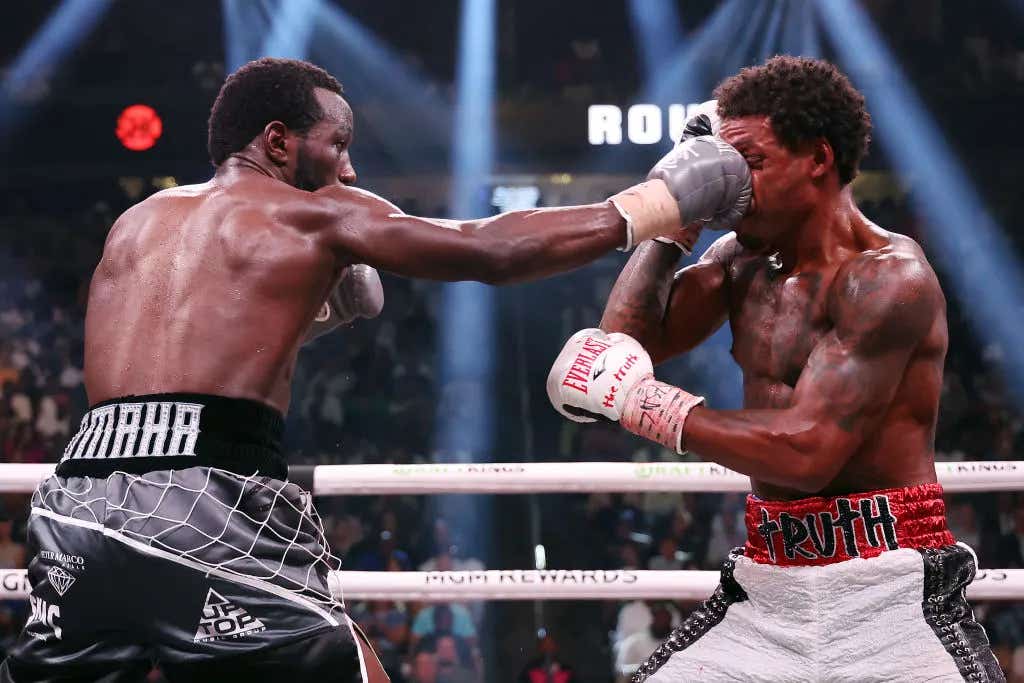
x=639, y=299
x=775, y=446
x=532, y=244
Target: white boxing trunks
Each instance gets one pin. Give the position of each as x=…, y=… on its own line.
x=862, y=587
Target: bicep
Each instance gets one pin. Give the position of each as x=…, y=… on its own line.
x=852, y=375
x=369, y=229
x=844, y=391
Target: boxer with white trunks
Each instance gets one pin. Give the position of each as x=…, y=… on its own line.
x=849, y=572
x=169, y=533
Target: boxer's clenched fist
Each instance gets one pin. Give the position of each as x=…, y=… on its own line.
x=709, y=179
x=704, y=121
x=593, y=374
x=358, y=294
x=702, y=179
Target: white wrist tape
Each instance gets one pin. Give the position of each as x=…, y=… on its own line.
x=682, y=247
x=649, y=209
x=658, y=411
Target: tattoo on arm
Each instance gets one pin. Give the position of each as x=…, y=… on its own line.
x=637, y=303
x=881, y=311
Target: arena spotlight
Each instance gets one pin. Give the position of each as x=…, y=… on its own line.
x=810, y=37
x=418, y=119
x=657, y=32
x=800, y=29
x=466, y=324
x=771, y=35
x=686, y=77
x=291, y=29
x=26, y=76
x=138, y=127
x=63, y=30
x=467, y=315
x=975, y=257
x=742, y=51
x=246, y=25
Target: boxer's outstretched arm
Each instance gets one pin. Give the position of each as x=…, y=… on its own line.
x=669, y=314
x=510, y=247
x=883, y=308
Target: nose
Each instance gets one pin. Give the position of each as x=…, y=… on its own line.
x=347, y=175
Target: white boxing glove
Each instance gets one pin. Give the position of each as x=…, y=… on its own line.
x=593, y=373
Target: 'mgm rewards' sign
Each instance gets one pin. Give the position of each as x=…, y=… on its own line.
x=640, y=124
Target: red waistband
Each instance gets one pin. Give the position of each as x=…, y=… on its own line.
x=818, y=531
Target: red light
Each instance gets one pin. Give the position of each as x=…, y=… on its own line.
x=139, y=127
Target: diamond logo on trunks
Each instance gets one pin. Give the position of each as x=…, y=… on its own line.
x=222, y=619
x=59, y=579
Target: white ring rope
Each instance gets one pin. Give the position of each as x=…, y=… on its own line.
x=557, y=477
x=554, y=477
x=550, y=584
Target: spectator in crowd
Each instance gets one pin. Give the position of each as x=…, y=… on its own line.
x=386, y=624
x=547, y=666
x=445, y=619
x=728, y=529
x=385, y=555
x=455, y=660
x=636, y=617
x=424, y=666
x=636, y=648
x=669, y=556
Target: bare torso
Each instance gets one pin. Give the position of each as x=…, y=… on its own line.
x=204, y=289
x=212, y=288
x=776, y=322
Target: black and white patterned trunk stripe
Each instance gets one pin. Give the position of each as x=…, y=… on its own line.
x=947, y=571
x=709, y=614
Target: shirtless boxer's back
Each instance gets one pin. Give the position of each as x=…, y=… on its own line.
x=170, y=532
x=849, y=572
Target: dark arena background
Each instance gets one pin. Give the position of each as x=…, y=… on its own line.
x=467, y=108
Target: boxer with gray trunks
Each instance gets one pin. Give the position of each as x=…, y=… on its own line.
x=169, y=533
x=849, y=572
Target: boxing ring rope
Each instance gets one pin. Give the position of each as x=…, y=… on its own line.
x=550, y=584
x=552, y=477
x=558, y=477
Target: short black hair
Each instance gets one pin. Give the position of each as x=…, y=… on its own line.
x=804, y=99
x=261, y=91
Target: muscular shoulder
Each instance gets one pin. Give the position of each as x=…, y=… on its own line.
x=886, y=296
x=335, y=209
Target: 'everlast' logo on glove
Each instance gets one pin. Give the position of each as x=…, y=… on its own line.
x=593, y=374
x=578, y=376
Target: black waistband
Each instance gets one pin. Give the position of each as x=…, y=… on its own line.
x=141, y=434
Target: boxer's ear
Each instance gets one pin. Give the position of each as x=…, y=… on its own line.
x=823, y=158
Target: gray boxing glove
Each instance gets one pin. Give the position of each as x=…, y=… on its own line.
x=709, y=179
x=358, y=294
x=704, y=121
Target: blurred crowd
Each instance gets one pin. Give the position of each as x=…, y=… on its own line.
x=370, y=394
